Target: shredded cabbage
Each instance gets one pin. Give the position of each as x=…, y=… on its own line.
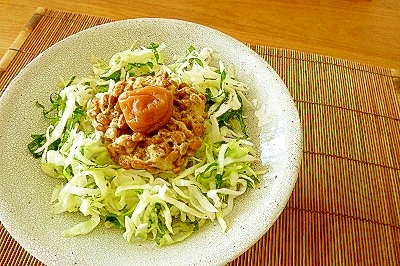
x=163, y=207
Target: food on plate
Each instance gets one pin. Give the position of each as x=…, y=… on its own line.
x=150, y=123
x=154, y=148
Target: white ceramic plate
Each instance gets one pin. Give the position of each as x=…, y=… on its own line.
x=25, y=191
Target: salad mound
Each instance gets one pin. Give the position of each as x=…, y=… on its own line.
x=164, y=205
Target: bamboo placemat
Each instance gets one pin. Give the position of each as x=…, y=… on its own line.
x=345, y=208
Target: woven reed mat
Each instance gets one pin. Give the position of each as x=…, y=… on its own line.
x=345, y=208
